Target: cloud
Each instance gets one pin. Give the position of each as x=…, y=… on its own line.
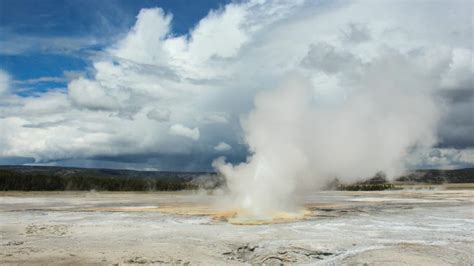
x=40, y=80
x=222, y=146
x=357, y=33
x=19, y=44
x=183, y=131
x=213, y=118
x=66, y=77
x=457, y=125
x=324, y=57
x=461, y=70
x=5, y=81
x=144, y=42
x=90, y=94
x=159, y=115
x=209, y=78
x=445, y=158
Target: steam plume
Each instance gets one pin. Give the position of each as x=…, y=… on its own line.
x=298, y=140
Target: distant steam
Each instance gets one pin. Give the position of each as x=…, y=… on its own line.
x=298, y=141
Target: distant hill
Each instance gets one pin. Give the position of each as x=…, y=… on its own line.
x=49, y=178
x=434, y=176
x=46, y=178
x=100, y=172
x=430, y=176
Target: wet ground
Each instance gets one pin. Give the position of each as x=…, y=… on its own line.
x=405, y=227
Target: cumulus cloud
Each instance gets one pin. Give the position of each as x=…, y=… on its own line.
x=90, y=94
x=222, y=146
x=210, y=77
x=144, y=43
x=183, y=131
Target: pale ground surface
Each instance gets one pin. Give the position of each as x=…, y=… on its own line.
x=352, y=228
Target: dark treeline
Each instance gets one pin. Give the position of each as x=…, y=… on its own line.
x=41, y=178
x=430, y=176
x=377, y=182
x=366, y=187
x=434, y=176
x=31, y=181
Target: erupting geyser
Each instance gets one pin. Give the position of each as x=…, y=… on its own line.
x=297, y=139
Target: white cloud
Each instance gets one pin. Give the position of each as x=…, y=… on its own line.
x=40, y=79
x=209, y=78
x=183, y=131
x=19, y=44
x=144, y=42
x=219, y=34
x=67, y=76
x=222, y=146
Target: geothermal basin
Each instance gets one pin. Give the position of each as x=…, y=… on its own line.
x=415, y=227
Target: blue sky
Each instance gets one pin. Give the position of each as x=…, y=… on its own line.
x=49, y=37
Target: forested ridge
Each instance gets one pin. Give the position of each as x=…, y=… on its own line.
x=74, y=179
x=45, y=178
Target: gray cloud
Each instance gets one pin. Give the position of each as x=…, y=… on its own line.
x=159, y=115
x=356, y=33
x=457, y=127
x=325, y=57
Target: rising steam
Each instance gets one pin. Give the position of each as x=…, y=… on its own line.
x=298, y=141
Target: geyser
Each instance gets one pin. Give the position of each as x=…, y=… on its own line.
x=298, y=140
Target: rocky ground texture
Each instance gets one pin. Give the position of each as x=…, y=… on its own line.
x=405, y=227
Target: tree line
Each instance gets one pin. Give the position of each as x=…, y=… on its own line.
x=11, y=180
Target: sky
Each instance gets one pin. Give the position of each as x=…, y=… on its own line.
x=167, y=85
